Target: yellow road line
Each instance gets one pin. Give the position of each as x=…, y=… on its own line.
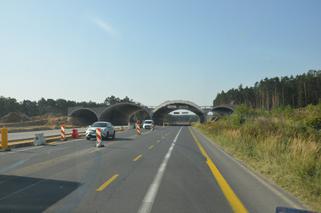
x=151, y=146
x=228, y=192
x=107, y=183
x=137, y=157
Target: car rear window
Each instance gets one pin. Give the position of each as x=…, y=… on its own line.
x=99, y=125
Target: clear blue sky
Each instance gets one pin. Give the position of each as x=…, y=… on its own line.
x=151, y=50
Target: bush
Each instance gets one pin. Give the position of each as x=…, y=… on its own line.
x=315, y=123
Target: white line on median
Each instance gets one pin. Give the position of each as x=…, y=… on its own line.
x=26, y=149
x=150, y=196
x=56, y=143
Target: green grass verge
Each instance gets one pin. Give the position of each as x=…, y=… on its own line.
x=285, y=149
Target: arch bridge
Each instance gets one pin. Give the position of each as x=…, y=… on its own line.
x=122, y=113
x=118, y=114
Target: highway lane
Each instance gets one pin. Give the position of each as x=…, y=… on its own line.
x=164, y=170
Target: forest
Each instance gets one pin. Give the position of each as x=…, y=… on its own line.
x=50, y=106
x=269, y=93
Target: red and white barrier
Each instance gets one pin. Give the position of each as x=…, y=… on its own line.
x=75, y=133
x=99, y=138
x=62, y=133
x=138, y=129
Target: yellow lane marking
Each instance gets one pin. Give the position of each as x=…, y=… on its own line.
x=228, y=192
x=107, y=183
x=151, y=146
x=137, y=157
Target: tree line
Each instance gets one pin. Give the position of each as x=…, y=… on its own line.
x=298, y=91
x=51, y=106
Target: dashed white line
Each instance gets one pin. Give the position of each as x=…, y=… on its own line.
x=150, y=196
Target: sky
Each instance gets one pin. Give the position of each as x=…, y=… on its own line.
x=152, y=51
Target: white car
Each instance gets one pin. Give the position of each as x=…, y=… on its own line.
x=107, y=130
x=148, y=124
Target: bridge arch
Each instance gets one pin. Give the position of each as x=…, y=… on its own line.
x=119, y=114
x=168, y=106
x=83, y=116
x=223, y=109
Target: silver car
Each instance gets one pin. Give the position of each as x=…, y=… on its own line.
x=107, y=130
x=148, y=124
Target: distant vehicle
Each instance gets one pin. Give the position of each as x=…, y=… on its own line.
x=107, y=130
x=148, y=124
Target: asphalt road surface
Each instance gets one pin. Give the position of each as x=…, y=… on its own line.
x=170, y=169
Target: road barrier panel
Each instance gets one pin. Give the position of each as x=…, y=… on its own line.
x=75, y=133
x=62, y=133
x=39, y=140
x=99, y=138
x=138, y=129
x=4, y=140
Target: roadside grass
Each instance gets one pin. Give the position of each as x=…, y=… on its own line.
x=283, y=145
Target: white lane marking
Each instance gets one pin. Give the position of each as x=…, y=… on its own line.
x=272, y=188
x=96, y=150
x=146, y=133
x=26, y=149
x=12, y=166
x=21, y=190
x=150, y=196
x=70, y=141
x=57, y=143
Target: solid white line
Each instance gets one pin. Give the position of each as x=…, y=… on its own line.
x=68, y=141
x=146, y=133
x=26, y=149
x=150, y=196
x=12, y=166
x=57, y=143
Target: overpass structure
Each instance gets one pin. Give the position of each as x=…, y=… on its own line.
x=223, y=109
x=118, y=114
x=122, y=113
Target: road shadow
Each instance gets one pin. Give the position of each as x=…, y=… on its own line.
x=27, y=194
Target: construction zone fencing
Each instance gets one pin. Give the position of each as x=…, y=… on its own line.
x=41, y=139
x=38, y=139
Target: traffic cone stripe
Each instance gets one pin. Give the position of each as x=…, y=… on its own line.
x=62, y=132
x=98, y=136
x=138, y=129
